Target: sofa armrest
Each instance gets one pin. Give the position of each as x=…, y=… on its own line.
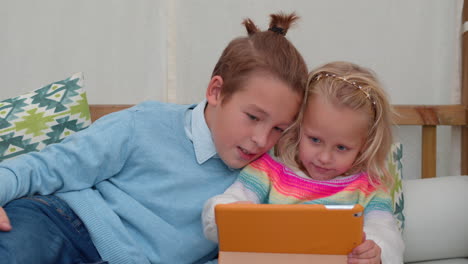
x=436, y=224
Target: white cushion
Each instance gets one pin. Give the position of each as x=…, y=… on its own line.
x=436, y=225
x=443, y=261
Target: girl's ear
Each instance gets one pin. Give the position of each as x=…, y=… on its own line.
x=213, y=92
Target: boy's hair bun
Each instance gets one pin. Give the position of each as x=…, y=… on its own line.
x=282, y=21
x=279, y=24
x=267, y=51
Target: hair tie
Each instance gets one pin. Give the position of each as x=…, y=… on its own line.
x=278, y=30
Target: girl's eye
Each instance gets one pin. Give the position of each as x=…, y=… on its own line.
x=252, y=117
x=315, y=140
x=341, y=148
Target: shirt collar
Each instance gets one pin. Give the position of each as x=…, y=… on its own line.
x=197, y=130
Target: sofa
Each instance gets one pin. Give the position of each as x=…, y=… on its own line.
x=436, y=220
x=435, y=210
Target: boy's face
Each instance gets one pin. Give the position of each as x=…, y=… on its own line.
x=252, y=120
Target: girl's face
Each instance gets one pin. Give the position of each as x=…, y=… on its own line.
x=332, y=136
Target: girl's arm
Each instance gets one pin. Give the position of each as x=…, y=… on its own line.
x=252, y=185
x=234, y=194
x=381, y=228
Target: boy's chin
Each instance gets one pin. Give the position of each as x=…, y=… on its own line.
x=236, y=163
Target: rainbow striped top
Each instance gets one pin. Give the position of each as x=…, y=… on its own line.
x=271, y=182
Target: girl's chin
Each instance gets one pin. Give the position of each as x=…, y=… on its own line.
x=319, y=177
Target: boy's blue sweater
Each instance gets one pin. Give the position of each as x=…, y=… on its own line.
x=133, y=178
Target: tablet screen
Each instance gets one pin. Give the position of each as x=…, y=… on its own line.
x=296, y=229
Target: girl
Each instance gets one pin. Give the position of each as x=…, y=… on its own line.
x=334, y=154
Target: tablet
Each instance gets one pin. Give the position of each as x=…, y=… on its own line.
x=302, y=230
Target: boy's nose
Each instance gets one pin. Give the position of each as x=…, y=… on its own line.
x=260, y=137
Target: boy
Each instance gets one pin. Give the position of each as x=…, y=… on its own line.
x=130, y=188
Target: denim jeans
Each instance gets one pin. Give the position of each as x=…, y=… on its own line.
x=45, y=230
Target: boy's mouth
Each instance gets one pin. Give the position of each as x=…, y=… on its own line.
x=245, y=154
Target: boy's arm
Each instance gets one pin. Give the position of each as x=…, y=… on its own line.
x=4, y=221
x=80, y=161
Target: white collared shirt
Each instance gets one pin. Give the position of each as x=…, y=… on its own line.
x=198, y=132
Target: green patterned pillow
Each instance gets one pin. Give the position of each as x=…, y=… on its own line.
x=34, y=120
x=395, y=167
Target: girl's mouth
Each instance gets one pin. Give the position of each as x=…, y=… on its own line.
x=321, y=170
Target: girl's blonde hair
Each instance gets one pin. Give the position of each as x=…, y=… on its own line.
x=353, y=86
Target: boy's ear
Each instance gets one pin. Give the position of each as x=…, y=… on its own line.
x=213, y=92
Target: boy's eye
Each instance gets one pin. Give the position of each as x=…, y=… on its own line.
x=279, y=129
x=252, y=117
x=341, y=148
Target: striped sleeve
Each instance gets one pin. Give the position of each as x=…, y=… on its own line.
x=379, y=201
x=255, y=182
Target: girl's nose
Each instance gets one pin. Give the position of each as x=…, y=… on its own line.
x=324, y=156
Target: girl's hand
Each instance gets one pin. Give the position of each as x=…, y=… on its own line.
x=367, y=252
x=4, y=221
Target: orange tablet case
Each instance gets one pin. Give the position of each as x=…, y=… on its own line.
x=296, y=234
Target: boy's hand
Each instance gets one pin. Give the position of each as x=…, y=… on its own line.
x=4, y=221
x=367, y=252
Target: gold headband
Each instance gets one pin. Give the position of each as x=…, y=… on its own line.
x=319, y=76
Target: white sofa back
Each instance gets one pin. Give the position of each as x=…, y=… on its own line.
x=436, y=225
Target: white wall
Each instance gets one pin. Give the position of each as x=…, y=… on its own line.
x=120, y=46
x=132, y=51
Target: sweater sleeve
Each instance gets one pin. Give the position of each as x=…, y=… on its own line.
x=381, y=227
x=79, y=161
x=240, y=190
x=235, y=193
